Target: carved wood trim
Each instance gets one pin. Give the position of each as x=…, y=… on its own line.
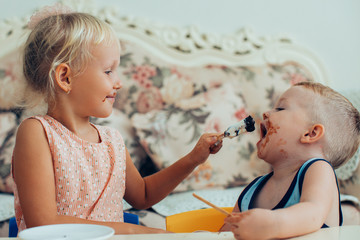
x=186, y=46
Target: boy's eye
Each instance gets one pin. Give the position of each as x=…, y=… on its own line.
x=279, y=109
x=108, y=72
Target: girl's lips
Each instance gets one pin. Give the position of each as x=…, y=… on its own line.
x=111, y=99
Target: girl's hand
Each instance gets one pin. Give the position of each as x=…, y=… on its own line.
x=204, y=147
x=252, y=224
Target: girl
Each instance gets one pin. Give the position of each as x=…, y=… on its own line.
x=66, y=169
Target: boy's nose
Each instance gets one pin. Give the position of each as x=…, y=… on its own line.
x=265, y=115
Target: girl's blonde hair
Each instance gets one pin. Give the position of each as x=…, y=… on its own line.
x=340, y=119
x=62, y=38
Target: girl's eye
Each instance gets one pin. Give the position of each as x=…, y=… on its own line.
x=108, y=72
x=279, y=109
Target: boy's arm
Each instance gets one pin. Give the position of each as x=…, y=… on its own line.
x=142, y=193
x=227, y=226
x=305, y=217
x=318, y=193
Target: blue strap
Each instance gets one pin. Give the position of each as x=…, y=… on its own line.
x=292, y=196
x=13, y=229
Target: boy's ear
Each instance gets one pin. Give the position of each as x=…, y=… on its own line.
x=62, y=77
x=315, y=133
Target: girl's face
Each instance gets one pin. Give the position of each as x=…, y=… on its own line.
x=284, y=125
x=93, y=91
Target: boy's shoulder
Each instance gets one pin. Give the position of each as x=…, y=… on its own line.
x=316, y=164
x=315, y=170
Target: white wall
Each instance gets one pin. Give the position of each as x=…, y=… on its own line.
x=330, y=28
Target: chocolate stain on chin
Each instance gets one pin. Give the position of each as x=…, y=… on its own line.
x=271, y=130
x=281, y=142
x=284, y=153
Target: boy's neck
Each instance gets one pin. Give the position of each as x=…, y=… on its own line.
x=289, y=167
x=285, y=170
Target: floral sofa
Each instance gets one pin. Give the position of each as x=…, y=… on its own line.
x=177, y=84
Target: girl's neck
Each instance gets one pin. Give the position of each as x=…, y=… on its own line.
x=80, y=126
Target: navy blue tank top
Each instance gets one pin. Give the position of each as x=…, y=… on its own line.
x=248, y=195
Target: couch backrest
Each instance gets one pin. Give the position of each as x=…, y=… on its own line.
x=178, y=83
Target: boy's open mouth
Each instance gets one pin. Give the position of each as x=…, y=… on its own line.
x=263, y=130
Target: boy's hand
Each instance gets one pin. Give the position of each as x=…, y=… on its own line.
x=252, y=224
x=205, y=146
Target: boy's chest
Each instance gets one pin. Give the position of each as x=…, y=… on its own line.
x=271, y=194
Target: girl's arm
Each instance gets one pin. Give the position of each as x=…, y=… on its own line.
x=319, y=194
x=34, y=177
x=142, y=193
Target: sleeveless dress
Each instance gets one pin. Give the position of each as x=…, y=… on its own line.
x=292, y=196
x=89, y=177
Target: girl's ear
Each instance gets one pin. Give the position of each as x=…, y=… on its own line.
x=315, y=133
x=62, y=77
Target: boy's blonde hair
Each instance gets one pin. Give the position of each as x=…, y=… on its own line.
x=340, y=119
x=63, y=38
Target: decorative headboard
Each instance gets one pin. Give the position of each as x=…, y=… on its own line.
x=178, y=83
x=185, y=46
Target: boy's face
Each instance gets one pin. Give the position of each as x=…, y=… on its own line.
x=284, y=125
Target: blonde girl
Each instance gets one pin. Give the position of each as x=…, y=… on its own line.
x=66, y=169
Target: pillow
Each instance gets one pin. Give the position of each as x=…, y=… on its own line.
x=12, y=82
x=12, y=88
x=8, y=126
x=263, y=85
x=351, y=185
x=172, y=132
x=150, y=83
x=7, y=209
x=154, y=89
x=349, y=173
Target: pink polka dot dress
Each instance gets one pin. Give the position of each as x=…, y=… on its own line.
x=89, y=177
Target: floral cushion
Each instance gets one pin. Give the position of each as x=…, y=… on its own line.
x=351, y=185
x=349, y=173
x=8, y=125
x=171, y=106
x=180, y=98
x=11, y=89
x=172, y=132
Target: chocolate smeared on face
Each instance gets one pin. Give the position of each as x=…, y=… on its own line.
x=266, y=132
